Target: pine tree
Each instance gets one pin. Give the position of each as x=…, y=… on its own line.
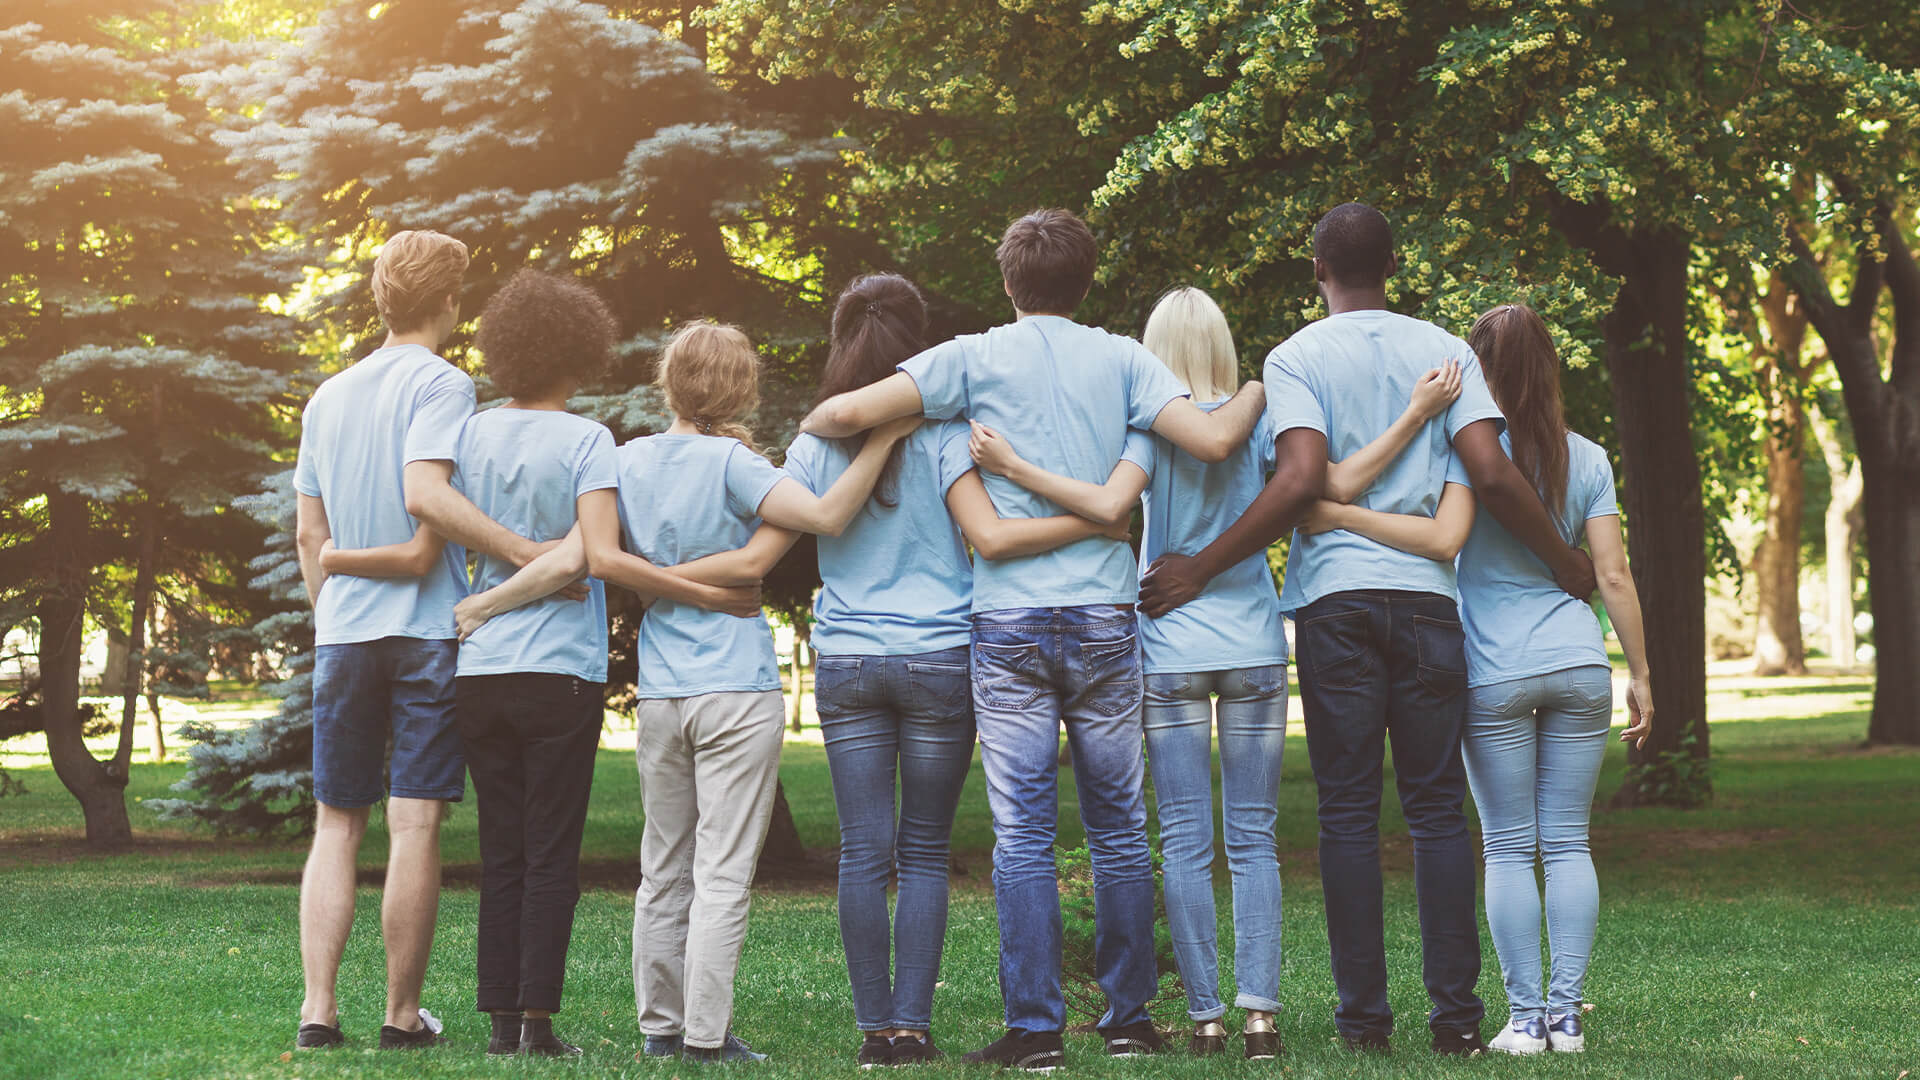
x=138, y=371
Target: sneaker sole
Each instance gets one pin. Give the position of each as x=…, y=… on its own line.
x=1577, y=1048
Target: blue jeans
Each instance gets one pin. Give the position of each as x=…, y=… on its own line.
x=1034, y=670
x=876, y=711
x=366, y=693
x=1253, y=735
x=1533, y=750
x=1375, y=665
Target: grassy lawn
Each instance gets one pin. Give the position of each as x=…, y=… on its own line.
x=1771, y=935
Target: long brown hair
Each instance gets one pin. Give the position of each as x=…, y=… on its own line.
x=1523, y=371
x=710, y=376
x=879, y=320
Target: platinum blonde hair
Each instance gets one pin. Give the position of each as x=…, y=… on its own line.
x=1189, y=334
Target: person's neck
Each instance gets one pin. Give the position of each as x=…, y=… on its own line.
x=1341, y=299
x=682, y=426
x=428, y=338
x=1018, y=314
x=541, y=404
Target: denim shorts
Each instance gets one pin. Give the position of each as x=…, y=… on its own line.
x=371, y=695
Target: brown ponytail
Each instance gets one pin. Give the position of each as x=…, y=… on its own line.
x=710, y=376
x=1523, y=371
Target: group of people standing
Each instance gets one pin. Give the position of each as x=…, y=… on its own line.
x=1028, y=445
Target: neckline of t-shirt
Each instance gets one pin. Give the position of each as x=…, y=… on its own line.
x=1358, y=313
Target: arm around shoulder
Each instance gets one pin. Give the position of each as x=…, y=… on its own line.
x=1212, y=437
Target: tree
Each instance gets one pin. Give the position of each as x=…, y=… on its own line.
x=1782, y=377
x=137, y=366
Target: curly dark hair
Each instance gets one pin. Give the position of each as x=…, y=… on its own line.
x=542, y=331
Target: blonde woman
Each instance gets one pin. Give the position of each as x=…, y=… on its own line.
x=709, y=715
x=1225, y=643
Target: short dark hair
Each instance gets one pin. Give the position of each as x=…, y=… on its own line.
x=1047, y=259
x=1356, y=244
x=542, y=330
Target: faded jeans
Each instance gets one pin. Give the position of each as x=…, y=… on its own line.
x=876, y=713
x=1533, y=748
x=1035, y=670
x=1252, y=714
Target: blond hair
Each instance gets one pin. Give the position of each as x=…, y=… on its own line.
x=413, y=273
x=1189, y=334
x=710, y=376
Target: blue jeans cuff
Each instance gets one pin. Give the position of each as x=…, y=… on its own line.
x=1203, y=1015
x=1257, y=1004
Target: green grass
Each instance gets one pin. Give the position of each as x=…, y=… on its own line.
x=1770, y=935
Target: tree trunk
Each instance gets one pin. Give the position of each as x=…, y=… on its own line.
x=62, y=610
x=137, y=635
x=783, y=846
x=1646, y=346
x=1893, y=593
x=1778, y=648
x=1843, y=522
x=799, y=667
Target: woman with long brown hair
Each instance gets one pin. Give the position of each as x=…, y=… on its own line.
x=1539, y=683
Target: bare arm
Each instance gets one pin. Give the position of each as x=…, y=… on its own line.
x=745, y=565
x=1516, y=506
x=415, y=558
x=1438, y=537
x=432, y=500
x=791, y=506
x=554, y=570
x=1108, y=503
x=1299, y=477
x=1212, y=436
x=1623, y=610
x=995, y=538
x=841, y=415
x=608, y=561
x=311, y=533
x=1349, y=479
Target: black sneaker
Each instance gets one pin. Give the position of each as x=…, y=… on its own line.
x=915, y=1050
x=420, y=1038
x=1209, y=1038
x=1368, y=1042
x=1036, y=1051
x=538, y=1040
x=319, y=1037
x=1263, y=1042
x=506, y=1034
x=1458, y=1043
x=1133, y=1040
x=876, y=1050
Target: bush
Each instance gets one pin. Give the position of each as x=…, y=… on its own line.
x=1079, y=981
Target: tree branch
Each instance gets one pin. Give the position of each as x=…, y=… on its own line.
x=1903, y=281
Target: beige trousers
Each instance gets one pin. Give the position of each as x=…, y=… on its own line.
x=708, y=766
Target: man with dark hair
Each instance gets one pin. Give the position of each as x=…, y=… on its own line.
x=1054, y=635
x=1381, y=650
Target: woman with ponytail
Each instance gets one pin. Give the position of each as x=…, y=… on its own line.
x=709, y=716
x=892, y=626
x=1539, y=683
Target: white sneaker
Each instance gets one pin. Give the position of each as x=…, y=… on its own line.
x=1564, y=1034
x=1521, y=1037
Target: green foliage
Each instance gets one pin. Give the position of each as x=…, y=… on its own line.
x=1681, y=777
x=1079, y=965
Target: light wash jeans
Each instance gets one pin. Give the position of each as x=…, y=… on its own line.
x=1252, y=714
x=1533, y=748
x=1036, y=670
x=880, y=715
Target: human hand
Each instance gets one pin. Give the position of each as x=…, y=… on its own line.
x=1436, y=390
x=577, y=590
x=1171, y=581
x=740, y=601
x=1121, y=530
x=895, y=430
x=1639, y=711
x=1324, y=515
x=1577, y=577
x=326, y=556
x=472, y=613
x=991, y=451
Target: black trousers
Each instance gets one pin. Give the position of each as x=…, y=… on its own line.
x=530, y=741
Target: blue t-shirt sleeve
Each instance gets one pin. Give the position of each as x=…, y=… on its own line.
x=803, y=458
x=433, y=433
x=1475, y=402
x=1291, y=402
x=594, y=467
x=955, y=461
x=1457, y=473
x=306, y=474
x=1139, y=450
x=1605, y=502
x=1150, y=385
x=1264, y=437
x=749, y=478
x=940, y=373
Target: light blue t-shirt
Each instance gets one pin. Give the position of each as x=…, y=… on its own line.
x=524, y=468
x=1235, y=621
x=1349, y=376
x=897, y=582
x=684, y=497
x=1518, y=621
x=358, y=434
x=1064, y=395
